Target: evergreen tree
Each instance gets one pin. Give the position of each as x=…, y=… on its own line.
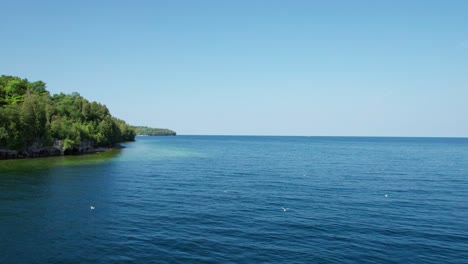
x=30, y=115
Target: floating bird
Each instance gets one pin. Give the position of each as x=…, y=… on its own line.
x=284, y=209
x=92, y=207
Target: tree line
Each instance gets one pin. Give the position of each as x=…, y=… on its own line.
x=149, y=131
x=29, y=115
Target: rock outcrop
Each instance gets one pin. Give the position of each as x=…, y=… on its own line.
x=38, y=151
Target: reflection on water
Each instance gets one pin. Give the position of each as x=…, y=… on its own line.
x=155, y=150
x=49, y=162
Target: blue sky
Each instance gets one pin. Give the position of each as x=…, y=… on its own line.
x=357, y=68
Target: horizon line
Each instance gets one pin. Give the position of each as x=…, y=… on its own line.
x=253, y=135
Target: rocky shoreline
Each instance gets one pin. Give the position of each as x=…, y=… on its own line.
x=37, y=151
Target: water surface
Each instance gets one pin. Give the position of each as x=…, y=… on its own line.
x=215, y=199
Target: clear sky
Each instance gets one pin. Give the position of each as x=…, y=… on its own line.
x=358, y=68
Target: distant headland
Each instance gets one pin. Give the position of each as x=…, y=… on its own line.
x=149, y=131
x=34, y=123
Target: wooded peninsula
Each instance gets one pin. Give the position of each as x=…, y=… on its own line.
x=34, y=123
x=149, y=131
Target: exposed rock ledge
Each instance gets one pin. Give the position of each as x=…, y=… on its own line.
x=38, y=151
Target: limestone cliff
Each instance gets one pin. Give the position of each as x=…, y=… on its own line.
x=37, y=150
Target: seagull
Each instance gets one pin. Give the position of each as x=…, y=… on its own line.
x=92, y=207
x=284, y=209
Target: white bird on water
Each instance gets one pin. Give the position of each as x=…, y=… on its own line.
x=92, y=207
x=284, y=209
x=386, y=195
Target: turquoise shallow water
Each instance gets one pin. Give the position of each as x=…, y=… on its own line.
x=215, y=199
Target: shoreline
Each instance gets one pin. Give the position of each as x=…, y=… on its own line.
x=45, y=152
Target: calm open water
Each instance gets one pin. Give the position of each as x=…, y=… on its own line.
x=216, y=199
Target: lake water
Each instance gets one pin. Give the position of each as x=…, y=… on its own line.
x=216, y=199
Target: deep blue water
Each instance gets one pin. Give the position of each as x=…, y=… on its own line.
x=216, y=199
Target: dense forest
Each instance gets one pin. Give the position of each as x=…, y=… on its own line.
x=149, y=131
x=31, y=116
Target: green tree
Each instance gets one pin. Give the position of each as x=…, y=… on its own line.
x=30, y=115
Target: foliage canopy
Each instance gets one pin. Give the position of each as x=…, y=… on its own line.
x=30, y=115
